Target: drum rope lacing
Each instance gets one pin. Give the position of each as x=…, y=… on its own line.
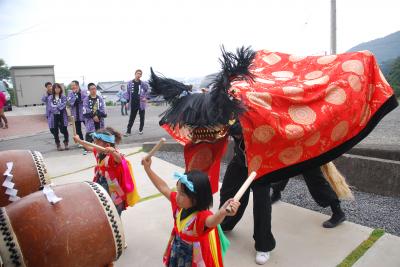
x=40, y=167
x=111, y=217
x=9, y=240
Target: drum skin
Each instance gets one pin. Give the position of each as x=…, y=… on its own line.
x=83, y=229
x=29, y=173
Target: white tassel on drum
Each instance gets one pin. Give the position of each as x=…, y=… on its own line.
x=11, y=191
x=50, y=195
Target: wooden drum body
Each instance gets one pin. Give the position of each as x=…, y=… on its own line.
x=29, y=173
x=83, y=229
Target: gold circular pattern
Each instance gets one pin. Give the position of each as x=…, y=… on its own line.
x=201, y=160
x=355, y=66
x=354, y=82
x=261, y=99
x=255, y=163
x=294, y=131
x=283, y=74
x=296, y=58
x=291, y=155
x=335, y=95
x=302, y=114
x=313, y=139
x=259, y=69
x=365, y=114
x=322, y=80
x=260, y=80
x=326, y=59
x=314, y=75
x=271, y=59
x=340, y=131
x=263, y=134
x=292, y=90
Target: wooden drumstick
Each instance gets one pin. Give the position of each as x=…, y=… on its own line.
x=83, y=142
x=73, y=125
x=243, y=189
x=155, y=148
x=99, y=148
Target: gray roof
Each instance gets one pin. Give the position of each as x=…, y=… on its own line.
x=32, y=67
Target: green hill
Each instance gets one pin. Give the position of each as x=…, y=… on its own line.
x=385, y=49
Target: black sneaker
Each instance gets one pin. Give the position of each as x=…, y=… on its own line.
x=275, y=196
x=336, y=219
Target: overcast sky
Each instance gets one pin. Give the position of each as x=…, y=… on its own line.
x=108, y=40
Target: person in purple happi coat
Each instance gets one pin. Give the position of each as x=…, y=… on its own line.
x=57, y=117
x=137, y=94
x=75, y=99
x=49, y=90
x=94, y=112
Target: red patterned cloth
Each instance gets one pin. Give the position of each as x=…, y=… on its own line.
x=309, y=108
x=302, y=112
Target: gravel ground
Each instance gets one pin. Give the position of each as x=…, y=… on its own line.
x=367, y=209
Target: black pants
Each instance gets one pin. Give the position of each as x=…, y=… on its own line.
x=235, y=176
x=78, y=128
x=59, y=125
x=132, y=117
x=319, y=188
x=88, y=137
x=124, y=110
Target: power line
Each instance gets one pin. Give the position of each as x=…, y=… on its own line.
x=6, y=36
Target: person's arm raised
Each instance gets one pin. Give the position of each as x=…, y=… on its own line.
x=158, y=182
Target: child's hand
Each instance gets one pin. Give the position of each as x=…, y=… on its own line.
x=146, y=162
x=109, y=150
x=77, y=138
x=96, y=119
x=230, y=207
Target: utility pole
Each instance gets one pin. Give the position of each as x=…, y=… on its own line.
x=333, y=27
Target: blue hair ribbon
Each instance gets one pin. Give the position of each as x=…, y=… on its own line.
x=104, y=137
x=184, y=180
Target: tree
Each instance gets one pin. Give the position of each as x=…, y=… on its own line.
x=4, y=70
x=393, y=76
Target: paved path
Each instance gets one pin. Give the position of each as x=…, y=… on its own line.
x=301, y=241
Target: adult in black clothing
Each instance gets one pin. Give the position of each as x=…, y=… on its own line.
x=235, y=175
x=320, y=191
x=136, y=95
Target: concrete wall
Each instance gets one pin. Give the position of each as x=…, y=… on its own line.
x=391, y=152
x=373, y=175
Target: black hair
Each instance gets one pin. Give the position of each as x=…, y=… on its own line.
x=111, y=131
x=48, y=83
x=202, y=196
x=75, y=82
x=57, y=85
x=90, y=84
